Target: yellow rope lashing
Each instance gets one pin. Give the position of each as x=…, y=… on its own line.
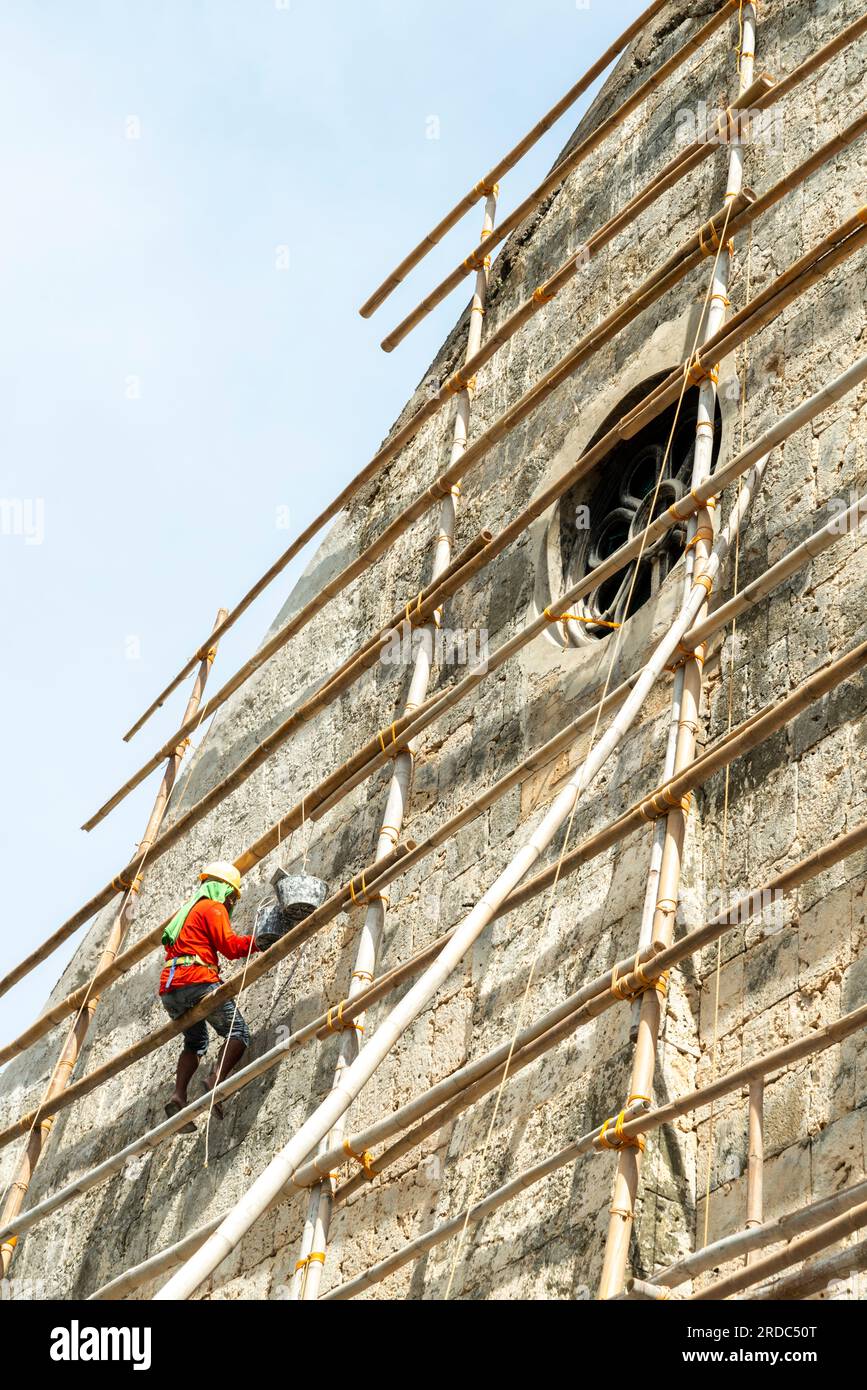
x=619, y=1140
x=365, y=1159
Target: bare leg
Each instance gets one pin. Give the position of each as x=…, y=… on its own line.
x=188, y=1063
x=187, y=1066
x=230, y=1057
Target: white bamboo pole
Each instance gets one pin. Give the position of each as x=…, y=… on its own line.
x=815, y=1278
x=666, y=855
x=854, y=1219
x=283, y=1166
x=314, y=1243
x=747, y=1242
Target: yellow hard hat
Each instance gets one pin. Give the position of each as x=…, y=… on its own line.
x=225, y=872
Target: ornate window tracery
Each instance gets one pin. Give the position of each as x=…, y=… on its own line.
x=615, y=504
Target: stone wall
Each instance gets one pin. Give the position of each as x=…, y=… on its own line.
x=798, y=790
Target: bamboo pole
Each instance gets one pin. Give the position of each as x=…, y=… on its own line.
x=819, y=861
x=640, y=1289
x=815, y=1278
x=71, y=1050
x=756, y=1158
x=564, y=169
x=508, y=162
x=740, y=1243
x=283, y=1166
x=638, y=1120
x=801, y=1249
x=795, y=419
x=314, y=1245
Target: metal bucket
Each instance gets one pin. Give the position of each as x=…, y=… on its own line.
x=270, y=924
x=297, y=896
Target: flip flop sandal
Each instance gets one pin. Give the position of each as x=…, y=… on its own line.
x=172, y=1107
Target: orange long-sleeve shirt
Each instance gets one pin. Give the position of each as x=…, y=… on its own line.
x=206, y=932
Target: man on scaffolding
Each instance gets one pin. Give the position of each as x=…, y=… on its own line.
x=194, y=940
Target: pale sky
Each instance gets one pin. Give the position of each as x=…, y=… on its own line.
x=168, y=388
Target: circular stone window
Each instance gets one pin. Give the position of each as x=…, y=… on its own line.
x=613, y=505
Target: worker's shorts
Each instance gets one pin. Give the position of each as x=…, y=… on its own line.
x=225, y=1020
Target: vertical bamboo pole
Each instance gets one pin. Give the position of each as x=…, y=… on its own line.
x=314, y=1243
x=622, y=1210
x=756, y=1160
x=39, y=1134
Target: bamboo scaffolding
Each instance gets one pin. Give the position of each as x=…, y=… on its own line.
x=508, y=162
x=815, y=1278
x=549, y=288
x=830, y=252
x=819, y=861
x=855, y=1219
x=261, y=843
x=678, y=168
x=757, y=98
x=785, y=1228
x=73, y=1043
x=723, y=130
x=561, y=171
x=660, y=959
x=283, y=1166
x=788, y=424
x=314, y=1244
x=638, y=1120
